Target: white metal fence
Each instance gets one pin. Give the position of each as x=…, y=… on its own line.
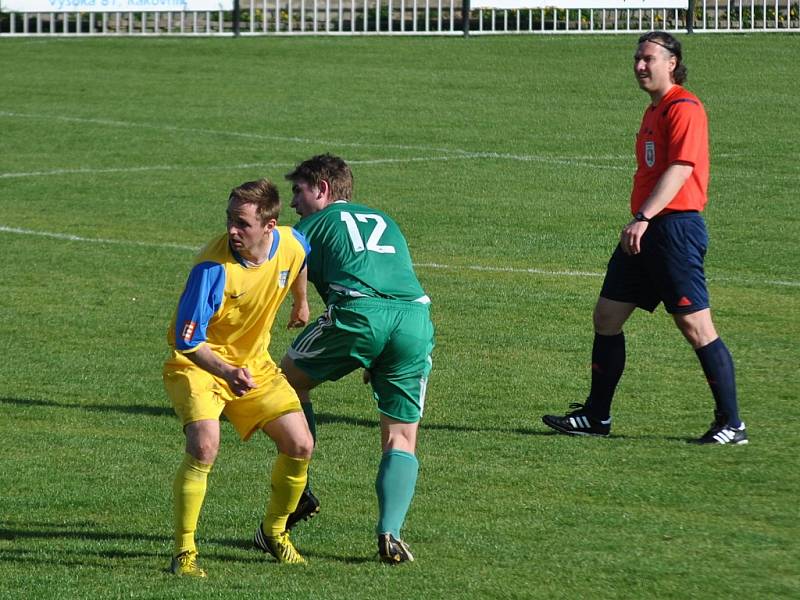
x=408, y=17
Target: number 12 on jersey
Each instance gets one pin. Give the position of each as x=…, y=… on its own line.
x=373, y=241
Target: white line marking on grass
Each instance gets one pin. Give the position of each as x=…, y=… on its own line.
x=489, y=269
x=532, y=271
x=367, y=162
x=224, y=132
x=452, y=153
x=554, y=160
x=87, y=170
x=270, y=165
x=78, y=238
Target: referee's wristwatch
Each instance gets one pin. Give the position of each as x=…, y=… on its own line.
x=639, y=216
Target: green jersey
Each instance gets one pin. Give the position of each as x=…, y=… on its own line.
x=358, y=252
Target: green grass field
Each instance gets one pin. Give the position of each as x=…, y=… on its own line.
x=508, y=162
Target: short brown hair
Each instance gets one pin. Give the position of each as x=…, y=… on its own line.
x=330, y=168
x=263, y=193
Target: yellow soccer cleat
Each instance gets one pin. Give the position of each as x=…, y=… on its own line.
x=280, y=546
x=186, y=564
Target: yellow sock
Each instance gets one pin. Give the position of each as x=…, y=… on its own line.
x=289, y=476
x=188, y=492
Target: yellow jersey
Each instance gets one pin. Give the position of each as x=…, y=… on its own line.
x=230, y=304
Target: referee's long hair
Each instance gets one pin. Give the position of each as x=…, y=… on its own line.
x=671, y=45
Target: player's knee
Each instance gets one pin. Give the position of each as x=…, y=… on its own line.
x=204, y=451
x=404, y=439
x=609, y=316
x=298, y=446
x=306, y=449
x=699, y=337
x=202, y=440
x=697, y=328
x=604, y=323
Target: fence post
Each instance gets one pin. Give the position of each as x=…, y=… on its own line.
x=237, y=13
x=690, y=17
x=465, y=8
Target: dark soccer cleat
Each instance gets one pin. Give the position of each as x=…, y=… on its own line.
x=723, y=434
x=279, y=546
x=578, y=422
x=307, y=507
x=393, y=551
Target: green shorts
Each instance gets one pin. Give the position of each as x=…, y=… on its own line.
x=393, y=339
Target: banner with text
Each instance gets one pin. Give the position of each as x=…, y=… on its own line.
x=137, y=6
x=576, y=4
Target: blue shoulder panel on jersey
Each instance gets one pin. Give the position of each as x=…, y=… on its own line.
x=303, y=242
x=276, y=239
x=302, y=239
x=201, y=298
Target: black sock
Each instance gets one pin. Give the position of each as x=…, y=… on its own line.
x=608, y=363
x=717, y=365
x=311, y=419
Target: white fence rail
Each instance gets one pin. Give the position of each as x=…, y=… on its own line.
x=408, y=17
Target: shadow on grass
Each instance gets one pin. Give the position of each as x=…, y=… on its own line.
x=310, y=554
x=136, y=409
x=91, y=555
x=624, y=437
x=322, y=417
x=75, y=531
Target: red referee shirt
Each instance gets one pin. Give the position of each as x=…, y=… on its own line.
x=674, y=131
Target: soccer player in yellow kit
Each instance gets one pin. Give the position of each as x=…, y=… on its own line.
x=220, y=364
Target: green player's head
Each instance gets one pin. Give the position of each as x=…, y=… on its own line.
x=328, y=168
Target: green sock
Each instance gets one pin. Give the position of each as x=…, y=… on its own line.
x=397, y=478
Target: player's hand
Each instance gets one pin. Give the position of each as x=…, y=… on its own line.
x=240, y=381
x=366, y=376
x=299, y=317
x=631, y=237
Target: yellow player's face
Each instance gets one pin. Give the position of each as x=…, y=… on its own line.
x=246, y=233
x=653, y=67
x=307, y=199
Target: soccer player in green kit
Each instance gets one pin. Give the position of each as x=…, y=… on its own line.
x=377, y=318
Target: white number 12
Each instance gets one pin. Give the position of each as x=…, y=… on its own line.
x=374, y=237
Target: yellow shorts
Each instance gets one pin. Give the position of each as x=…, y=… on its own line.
x=197, y=395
